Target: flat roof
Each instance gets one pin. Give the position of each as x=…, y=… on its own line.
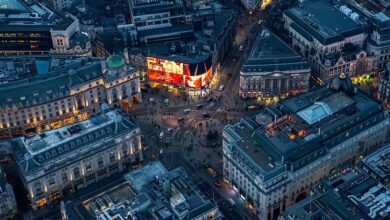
x=270, y=53
x=379, y=162
x=144, y=7
x=143, y=176
x=18, y=15
x=323, y=21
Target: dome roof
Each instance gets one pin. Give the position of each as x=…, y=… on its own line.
x=342, y=83
x=115, y=62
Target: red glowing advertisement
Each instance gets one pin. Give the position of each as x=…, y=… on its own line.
x=180, y=74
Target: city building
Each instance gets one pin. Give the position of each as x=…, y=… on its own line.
x=346, y=194
x=156, y=14
x=191, y=64
x=196, y=4
x=152, y=192
x=274, y=158
x=61, y=4
x=8, y=207
x=377, y=165
x=114, y=36
x=377, y=18
x=55, y=163
x=384, y=86
x=33, y=28
x=330, y=37
x=46, y=92
x=273, y=70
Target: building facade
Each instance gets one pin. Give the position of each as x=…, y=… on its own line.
x=330, y=46
x=8, y=206
x=32, y=28
x=273, y=70
x=384, y=85
x=378, y=39
x=275, y=158
x=191, y=66
x=50, y=92
x=56, y=163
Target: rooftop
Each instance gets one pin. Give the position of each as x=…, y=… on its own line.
x=347, y=193
x=297, y=131
x=198, y=45
x=142, y=177
x=54, y=149
x=270, y=53
x=143, y=7
x=31, y=80
x=379, y=163
x=153, y=192
x=321, y=20
x=31, y=15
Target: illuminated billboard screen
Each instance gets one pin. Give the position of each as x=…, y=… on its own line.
x=181, y=74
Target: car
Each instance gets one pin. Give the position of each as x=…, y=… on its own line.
x=210, y=99
x=212, y=172
x=161, y=135
x=221, y=87
x=241, y=47
x=206, y=115
x=187, y=110
x=229, y=75
x=231, y=201
x=199, y=106
x=170, y=129
x=234, y=59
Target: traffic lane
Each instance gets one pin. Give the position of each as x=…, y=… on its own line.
x=227, y=210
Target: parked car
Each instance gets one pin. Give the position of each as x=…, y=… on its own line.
x=221, y=87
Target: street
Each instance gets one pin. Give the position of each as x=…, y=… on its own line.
x=187, y=131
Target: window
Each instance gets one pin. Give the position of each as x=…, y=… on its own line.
x=76, y=172
x=100, y=162
x=64, y=177
x=112, y=157
x=88, y=166
x=52, y=182
x=38, y=188
x=124, y=150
